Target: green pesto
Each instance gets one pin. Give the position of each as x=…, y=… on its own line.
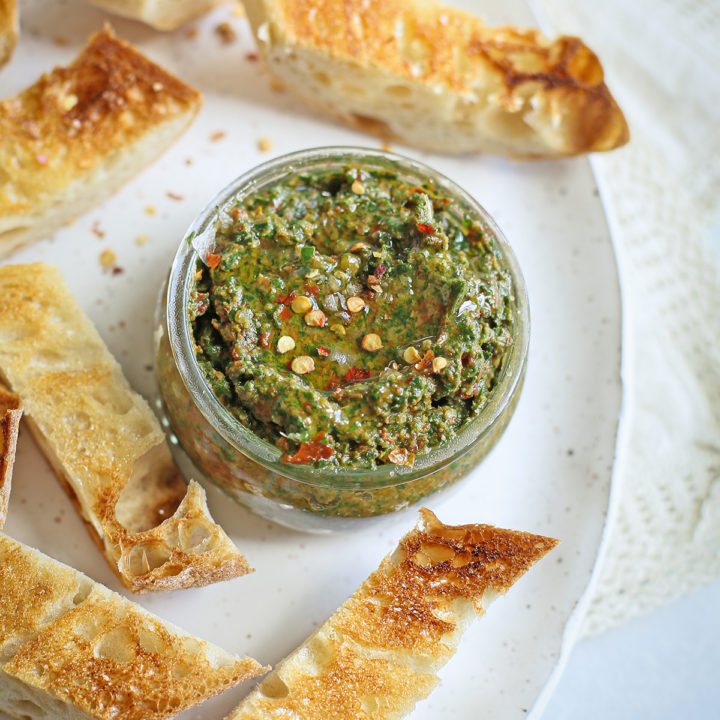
x=430, y=277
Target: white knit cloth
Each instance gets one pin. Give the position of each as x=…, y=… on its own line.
x=662, y=195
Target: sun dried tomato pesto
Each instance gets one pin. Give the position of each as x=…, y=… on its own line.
x=350, y=318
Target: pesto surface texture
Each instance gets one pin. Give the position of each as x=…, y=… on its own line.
x=350, y=318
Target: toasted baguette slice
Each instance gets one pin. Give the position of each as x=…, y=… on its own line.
x=104, y=441
x=10, y=412
x=377, y=655
x=70, y=649
x=81, y=132
x=8, y=29
x=160, y=14
x=438, y=78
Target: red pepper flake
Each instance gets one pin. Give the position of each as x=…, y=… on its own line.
x=426, y=360
x=234, y=353
x=415, y=189
x=356, y=374
x=323, y=351
x=334, y=382
x=311, y=451
x=425, y=229
x=285, y=313
x=265, y=339
x=312, y=289
x=380, y=270
x=286, y=299
x=212, y=260
x=117, y=270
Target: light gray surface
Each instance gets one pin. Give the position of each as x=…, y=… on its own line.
x=664, y=666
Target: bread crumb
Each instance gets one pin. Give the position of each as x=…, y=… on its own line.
x=175, y=196
x=141, y=240
x=226, y=33
x=264, y=144
x=217, y=136
x=277, y=85
x=97, y=230
x=108, y=258
x=149, y=210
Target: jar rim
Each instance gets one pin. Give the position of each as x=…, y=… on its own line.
x=261, y=451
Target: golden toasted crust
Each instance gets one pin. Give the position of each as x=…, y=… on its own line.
x=438, y=77
x=80, y=132
x=10, y=413
x=8, y=29
x=74, y=643
x=160, y=14
x=104, y=441
x=377, y=655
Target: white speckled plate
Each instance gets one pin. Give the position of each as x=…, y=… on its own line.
x=550, y=473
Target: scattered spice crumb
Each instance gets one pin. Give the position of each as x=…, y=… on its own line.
x=226, y=33
x=97, y=230
x=121, y=323
x=175, y=196
x=117, y=270
x=251, y=57
x=188, y=161
x=140, y=240
x=148, y=368
x=265, y=144
x=239, y=10
x=191, y=33
x=108, y=258
x=217, y=136
x=149, y=210
x=61, y=41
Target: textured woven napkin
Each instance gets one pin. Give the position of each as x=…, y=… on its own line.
x=662, y=195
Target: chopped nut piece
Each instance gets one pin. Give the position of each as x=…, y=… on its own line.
x=285, y=344
x=355, y=304
x=315, y=318
x=302, y=364
x=357, y=187
x=371, y=342
x=439, y=363
x=359, y=246
x=301, y=304
x=411, y=355
x=265, y=144
x=107, y=258
x=400, y=456
x=338, y=329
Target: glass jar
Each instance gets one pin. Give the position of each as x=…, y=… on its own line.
x=210, y=444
